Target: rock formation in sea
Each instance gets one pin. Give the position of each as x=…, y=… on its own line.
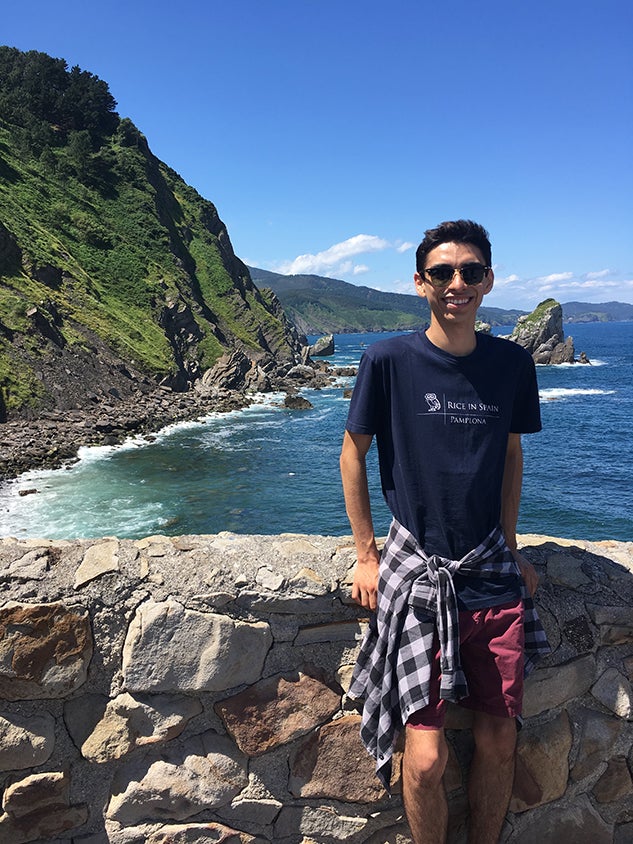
x=323, y=347
x=542, y=334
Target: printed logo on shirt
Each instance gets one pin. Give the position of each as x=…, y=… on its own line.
x=433, y=403
x=461, y=411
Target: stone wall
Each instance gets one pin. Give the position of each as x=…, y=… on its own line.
x=192, y=689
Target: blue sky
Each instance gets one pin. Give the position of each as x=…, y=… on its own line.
x=330, y=135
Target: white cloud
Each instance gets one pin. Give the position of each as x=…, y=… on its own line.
x=404, y=247
x=360, y=268
x=336, y=258
x=599, y=274
x=502, y=281
x=555, y=277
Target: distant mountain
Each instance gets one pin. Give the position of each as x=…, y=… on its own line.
x=318, y=305
x=602, y=312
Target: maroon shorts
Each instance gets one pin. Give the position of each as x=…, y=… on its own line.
x=492, y=646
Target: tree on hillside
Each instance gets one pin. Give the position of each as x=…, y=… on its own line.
x=39, y=94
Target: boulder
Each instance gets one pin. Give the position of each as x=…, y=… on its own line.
x=323, y=347
x=541, y=333
x=229, y=373
x=295, y=402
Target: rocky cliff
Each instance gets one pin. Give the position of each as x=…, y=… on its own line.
x=542, y=334
x=115, y=275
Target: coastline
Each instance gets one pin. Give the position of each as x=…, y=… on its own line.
x=53, y=439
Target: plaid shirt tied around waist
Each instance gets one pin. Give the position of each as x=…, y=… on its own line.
x=416, y=596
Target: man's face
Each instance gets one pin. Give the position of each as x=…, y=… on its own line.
x=456, y=302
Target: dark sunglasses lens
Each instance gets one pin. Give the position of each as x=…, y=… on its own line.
x=441, y=274
x=473, y=273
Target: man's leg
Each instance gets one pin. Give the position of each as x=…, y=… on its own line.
x=491, y=776
x=423, y=765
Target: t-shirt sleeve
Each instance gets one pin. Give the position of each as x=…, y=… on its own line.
x=363, y=416
x=526, y=413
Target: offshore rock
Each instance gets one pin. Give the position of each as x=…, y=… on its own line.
x=323, y=347
x=294, y=402
x=541, y=333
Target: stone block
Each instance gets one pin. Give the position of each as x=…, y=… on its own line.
x=614, y=783
x=598, y=735
x=45, y=650
x=575, y=824
x=615, y=624
x=198, y=833
x=186, y=778
x=308, y=581
x=623, y=834
x=98, y=560
x=26, y=742
x=333, y=763
x=341, y=631
x=169, y=648
x=31, y=566
x=276, y=711
x=38, y=807
x=565, y=569
x=320, y=822
x=130, y=722
x=614, y=690
x=548, y=688
x=543, y=752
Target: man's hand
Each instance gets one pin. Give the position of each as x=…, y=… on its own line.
x=528, y=572
x=365, y=586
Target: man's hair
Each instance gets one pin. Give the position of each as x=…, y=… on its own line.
x=454, y=231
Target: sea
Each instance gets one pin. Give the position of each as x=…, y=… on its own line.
x=270, y=470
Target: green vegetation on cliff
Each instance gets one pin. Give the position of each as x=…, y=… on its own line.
x=104, y=250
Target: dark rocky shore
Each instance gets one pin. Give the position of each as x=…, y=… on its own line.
x=53, y=439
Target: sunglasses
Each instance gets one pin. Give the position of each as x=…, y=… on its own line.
x=443, y=274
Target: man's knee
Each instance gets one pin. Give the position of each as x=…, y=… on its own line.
x=425, y=758
x=495, y=737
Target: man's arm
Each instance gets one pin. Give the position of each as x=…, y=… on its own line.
x=357, y=504
x=510, y=501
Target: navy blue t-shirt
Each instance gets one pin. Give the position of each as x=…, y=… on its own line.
x=441, y=424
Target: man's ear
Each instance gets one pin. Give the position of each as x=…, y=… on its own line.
x=419, y=285
x=489, y=281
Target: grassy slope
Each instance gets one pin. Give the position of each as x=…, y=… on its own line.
x=129, y=240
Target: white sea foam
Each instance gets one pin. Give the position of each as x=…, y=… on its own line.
x=556, y=393
x=574, y=365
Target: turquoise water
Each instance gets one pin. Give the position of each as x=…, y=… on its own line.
x=271, y=470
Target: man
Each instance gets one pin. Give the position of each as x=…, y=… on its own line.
x=452, y=592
